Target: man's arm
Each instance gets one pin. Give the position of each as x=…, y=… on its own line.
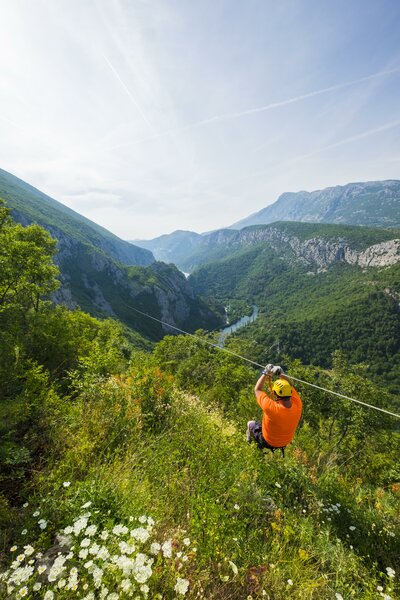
x=260, y=384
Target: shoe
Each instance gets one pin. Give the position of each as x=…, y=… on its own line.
x=249, y=435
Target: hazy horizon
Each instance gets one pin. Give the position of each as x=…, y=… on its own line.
x=149, y=117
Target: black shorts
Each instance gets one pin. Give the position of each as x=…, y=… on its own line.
x=256, y=432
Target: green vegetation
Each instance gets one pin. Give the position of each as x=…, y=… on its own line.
x=308, y=314
x=126, y=473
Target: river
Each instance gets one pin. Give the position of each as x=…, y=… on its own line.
x=235, y=326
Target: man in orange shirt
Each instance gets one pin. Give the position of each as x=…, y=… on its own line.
x=281, y=413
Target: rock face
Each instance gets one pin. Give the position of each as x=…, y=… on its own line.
x=320, y=251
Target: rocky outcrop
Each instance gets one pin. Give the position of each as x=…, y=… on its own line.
x=320, y=251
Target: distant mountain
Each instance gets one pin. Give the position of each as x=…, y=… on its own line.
x=105, y=275
x=374, y=203
x=172, y=247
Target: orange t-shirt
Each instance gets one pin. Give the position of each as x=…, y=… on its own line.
x=279, y=423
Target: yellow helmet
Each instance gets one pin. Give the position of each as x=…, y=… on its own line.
x=282, y=388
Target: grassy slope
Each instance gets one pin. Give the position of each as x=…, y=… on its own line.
x=283, y=523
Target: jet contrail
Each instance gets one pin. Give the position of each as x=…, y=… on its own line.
x=332, y=88
x=127, y=90
x=259, y=109
x=296, y=159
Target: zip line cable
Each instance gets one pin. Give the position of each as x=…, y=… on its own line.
x=196, y=337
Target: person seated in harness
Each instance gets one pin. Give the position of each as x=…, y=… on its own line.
x=281, y=412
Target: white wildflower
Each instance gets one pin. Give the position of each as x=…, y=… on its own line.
x=68, y=530
x=379, y=588
x=352, y=528
x=141, y=534
x=94, y=548
x=41, y=569
x=73, y=579
x=290, y=582
x=142, y=519
x=86, y=505
x=126, y=585
x=167, y=549
x=64, y=540
x=36, y=513
x=91, y=530
x=23, y=591
x=120, y=530
x=155, y=548
x=181, y=586
x=97, y=575
x=338, y=596
x=83, y=553
x=278, y=485
x=186, y=541
x=25, y=505
x=150, y=521
x=62, y=583
x=103, y=553
x=126, y=548
x=80, y=524
x=13, y=548
x=236, y=507
x=113, y=596
x=49, y=595
x=37, y=586
x=42, y=523
x=20, y=557
x=391, y=572
x=144, y=589
x=24, y=532
x=57, y=568
x=66, y=484
x=85, y=543
x=104, y=535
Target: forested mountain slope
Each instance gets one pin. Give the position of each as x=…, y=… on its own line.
x=29, y=205
x=320, y=289
x=373, y=203
x=104, y=275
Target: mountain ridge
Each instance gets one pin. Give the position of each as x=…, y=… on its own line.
x=106, y=276
x=370, y=204
x=329, y=206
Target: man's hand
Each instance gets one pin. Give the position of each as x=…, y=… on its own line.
x=276, y=370
x=268, y=369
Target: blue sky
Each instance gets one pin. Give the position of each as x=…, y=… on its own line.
x=148, y=116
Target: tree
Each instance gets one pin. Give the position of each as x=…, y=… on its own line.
x=27, y=272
